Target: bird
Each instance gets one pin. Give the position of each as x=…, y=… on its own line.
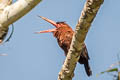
x=63, y=33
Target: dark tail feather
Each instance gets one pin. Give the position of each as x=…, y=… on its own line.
x=87, y=68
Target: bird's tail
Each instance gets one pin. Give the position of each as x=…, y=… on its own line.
x=86, y=65
x=84, y=57
x=87, y=68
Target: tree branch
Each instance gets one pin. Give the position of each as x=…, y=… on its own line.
x=12, y=13
x=89, y=12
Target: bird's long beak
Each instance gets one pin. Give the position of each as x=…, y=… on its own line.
x=51, y=22
x=46, y=31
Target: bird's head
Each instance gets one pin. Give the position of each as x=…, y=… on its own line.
x=59, y=26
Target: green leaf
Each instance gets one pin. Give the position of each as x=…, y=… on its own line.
x=109, y=70
x=112, y=70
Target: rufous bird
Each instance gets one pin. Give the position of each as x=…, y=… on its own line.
x=63, y=32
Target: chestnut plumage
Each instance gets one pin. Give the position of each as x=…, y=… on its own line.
x=63, y=33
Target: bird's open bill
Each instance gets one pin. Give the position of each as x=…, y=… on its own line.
x=51, y=22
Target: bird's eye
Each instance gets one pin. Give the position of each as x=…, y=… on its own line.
x=59, y=25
